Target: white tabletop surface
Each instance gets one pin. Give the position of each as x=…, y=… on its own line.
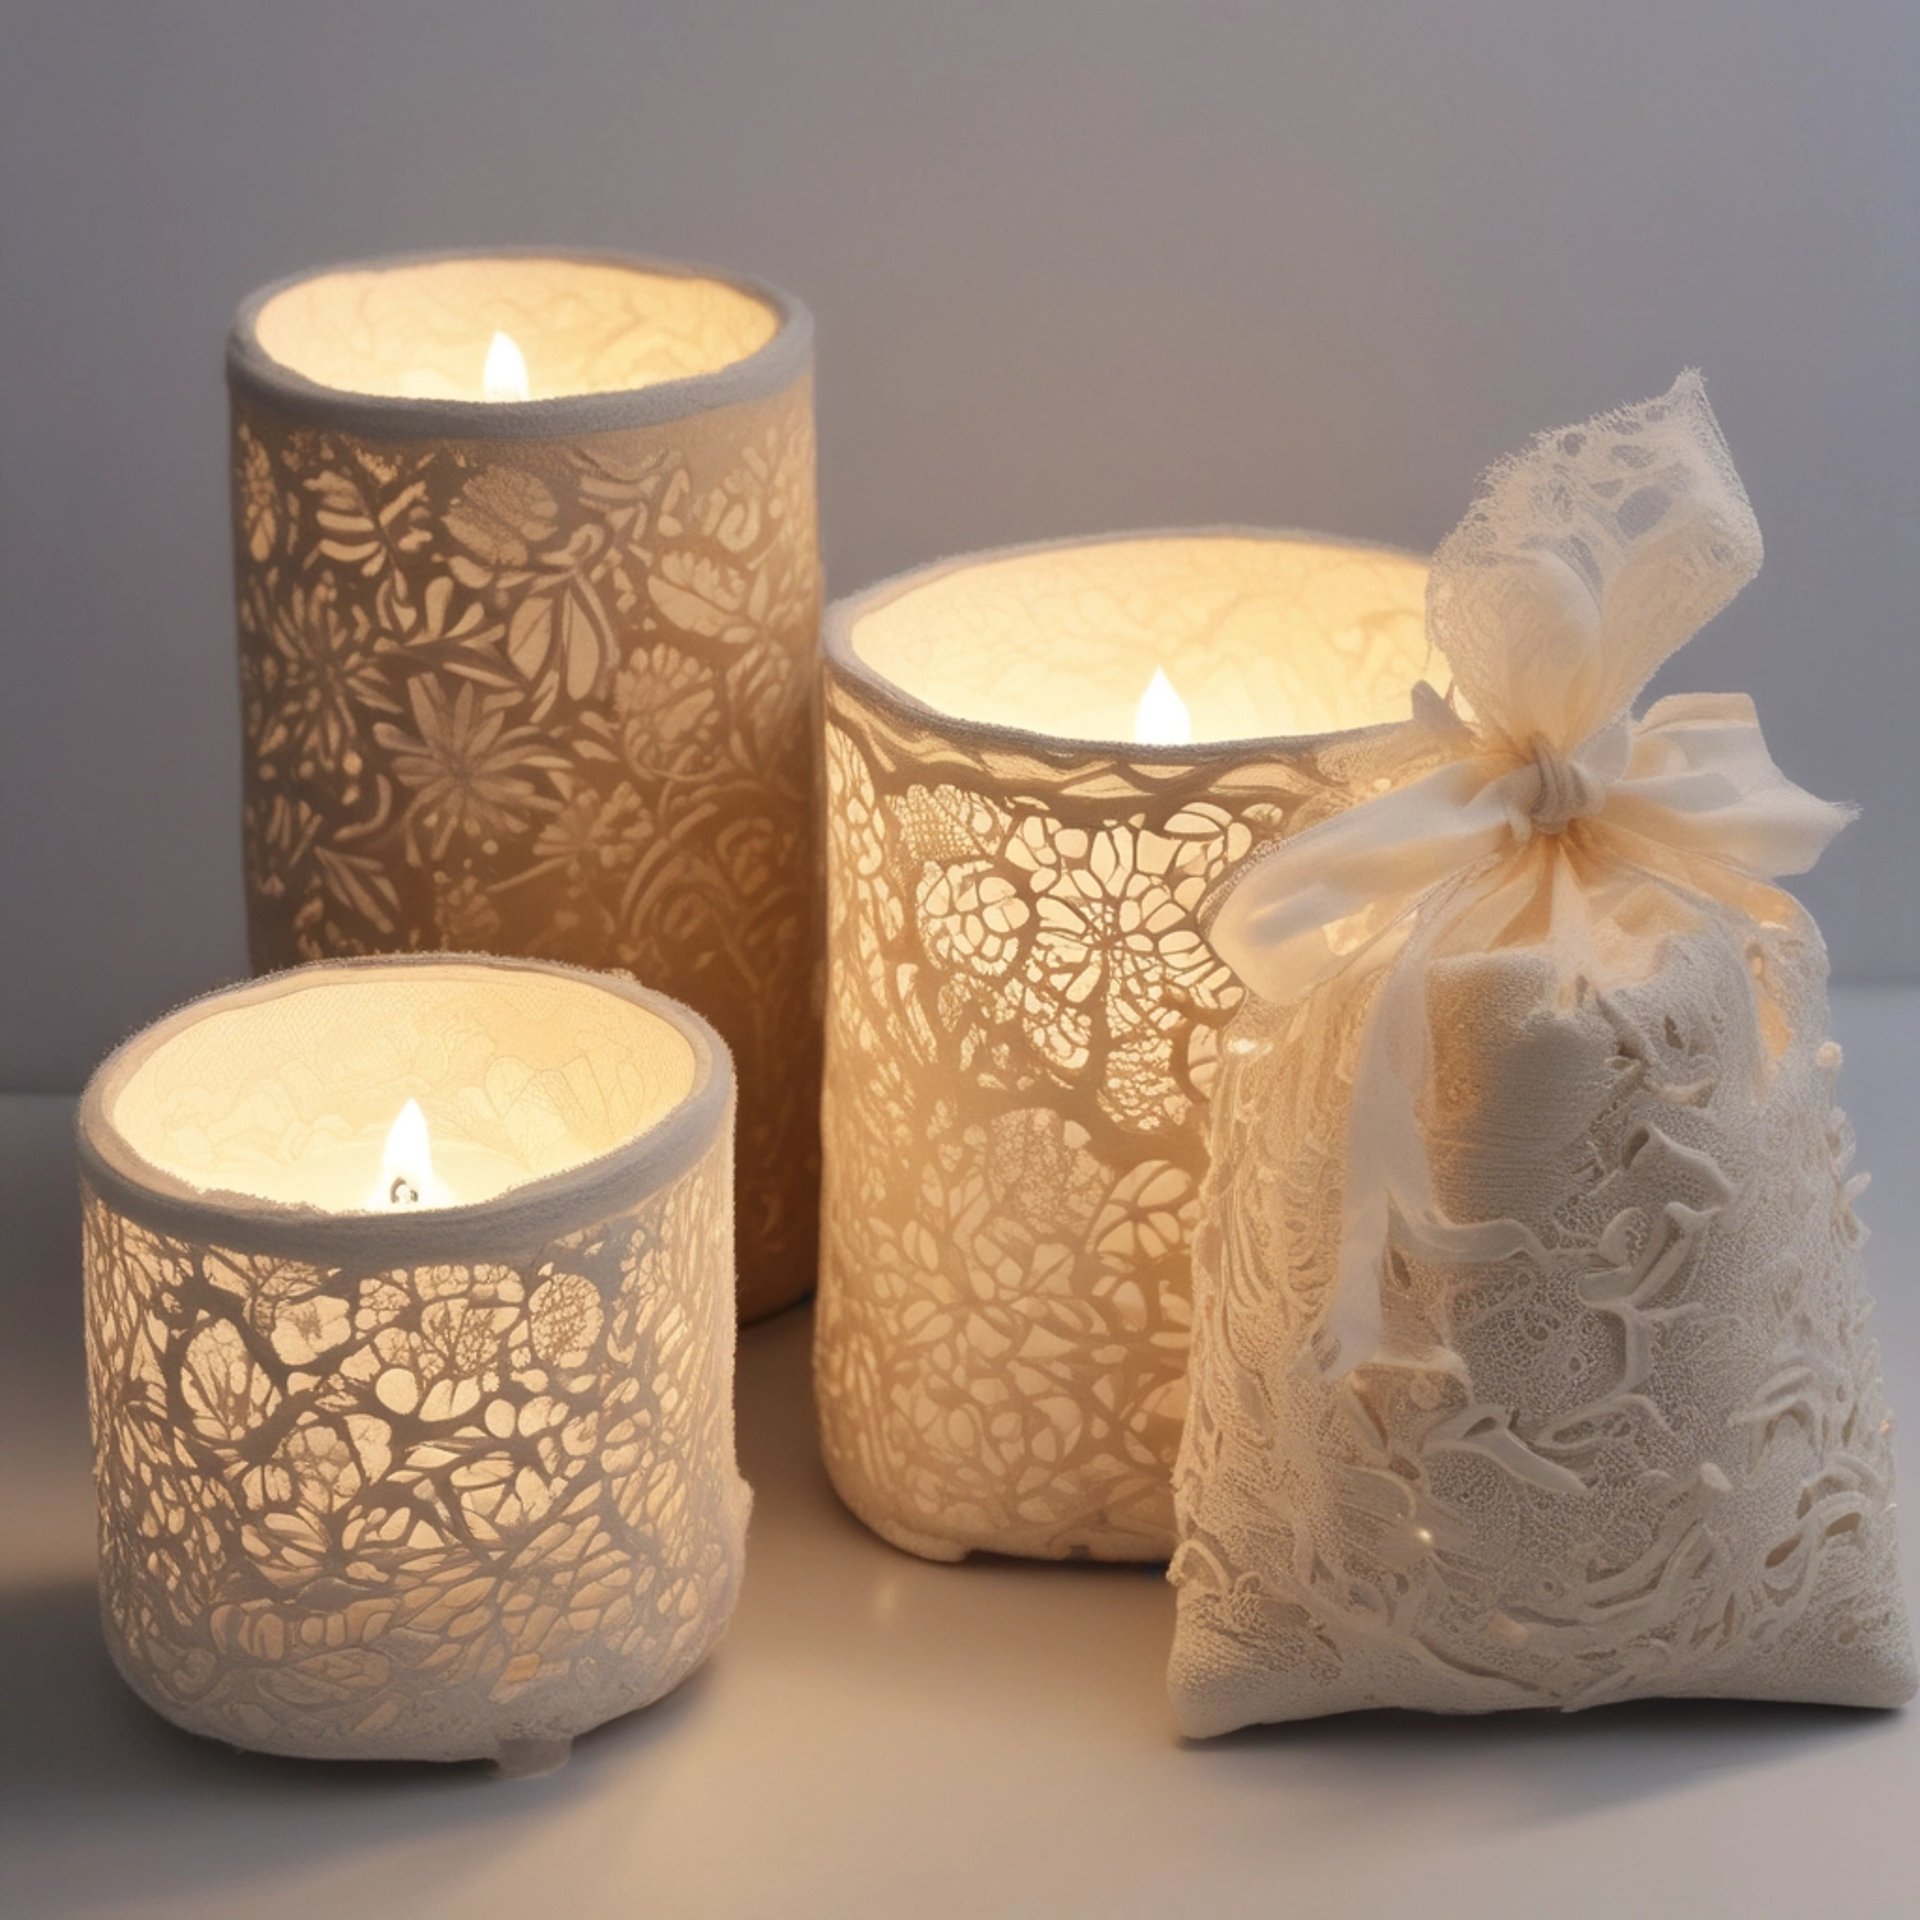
x=880, y=1736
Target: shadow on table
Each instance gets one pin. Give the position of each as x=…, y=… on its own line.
x=190, y=1816
x=1511, y=1769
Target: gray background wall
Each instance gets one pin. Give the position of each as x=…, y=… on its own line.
x=1078, y=264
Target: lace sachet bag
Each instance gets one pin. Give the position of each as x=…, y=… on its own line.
x=1530, y=1362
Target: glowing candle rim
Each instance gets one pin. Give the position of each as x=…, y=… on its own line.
x=759, y=375
x=524, y=1216
x=842, y=658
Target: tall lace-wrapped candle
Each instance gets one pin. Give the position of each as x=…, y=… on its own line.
x=1530, y=1360
x=410, y=1336
x=1038, y=762
x=528, y=591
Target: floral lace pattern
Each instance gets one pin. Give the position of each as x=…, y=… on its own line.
x=552, y=698
x=1658, y=1461
x=419, y=1512
x=1022, y=1027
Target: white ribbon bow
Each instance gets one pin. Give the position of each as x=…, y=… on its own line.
x=1586, y=562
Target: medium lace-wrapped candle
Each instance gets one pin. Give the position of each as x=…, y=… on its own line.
x=1038, y=763
x=528, y=587
x=410, y=1336
x=1530, y=1361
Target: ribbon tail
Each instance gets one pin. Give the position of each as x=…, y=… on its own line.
x=1388, y=1179
x=1701, y=782
x=1379, y=1121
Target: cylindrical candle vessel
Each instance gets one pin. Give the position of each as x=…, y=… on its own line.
x=528, y=589
x=1038, y=763
x=410, y=1336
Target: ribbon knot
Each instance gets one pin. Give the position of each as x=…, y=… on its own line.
x=1553, y=602
x=1569, y=791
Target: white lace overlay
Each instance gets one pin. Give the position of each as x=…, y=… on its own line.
x=420, y=1513
x=1023, y=1012
x=1529, y=1360
x=546, y=696
x=443, y=1486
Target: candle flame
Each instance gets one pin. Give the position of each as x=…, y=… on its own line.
x=504, y=377
x=406, y=1163
x=1162, y=719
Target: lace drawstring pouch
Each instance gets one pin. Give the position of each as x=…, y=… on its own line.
x=1530, y=1361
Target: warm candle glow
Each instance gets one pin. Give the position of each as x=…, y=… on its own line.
x=406, y=1164
x=1162, y=719
x=552, y=441
x=1040, y=915
x=457, y=1485
x=504, y=377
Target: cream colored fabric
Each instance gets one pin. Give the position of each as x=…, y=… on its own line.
x=1530, y=1364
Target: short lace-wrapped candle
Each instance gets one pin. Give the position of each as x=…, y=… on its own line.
x=1530, y=1364
x=528, y=589
x=410, y=1333
x=1038, y=764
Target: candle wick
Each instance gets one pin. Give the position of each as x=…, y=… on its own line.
x=403, y=1193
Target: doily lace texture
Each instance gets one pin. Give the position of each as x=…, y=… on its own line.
x=1531, y=1363
x=1023, y=1015
x=1663, y=1465
x=545, y=696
